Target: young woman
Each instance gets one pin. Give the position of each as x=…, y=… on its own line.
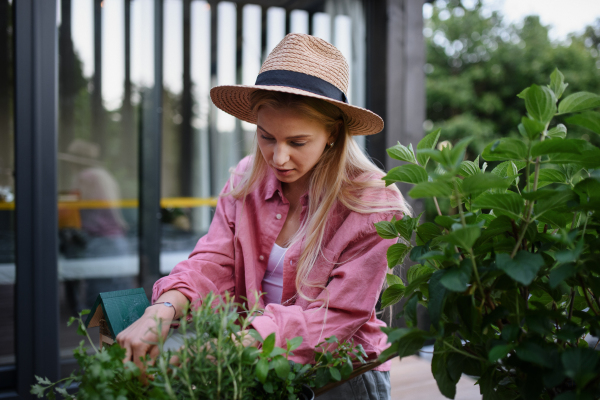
x=296, y=219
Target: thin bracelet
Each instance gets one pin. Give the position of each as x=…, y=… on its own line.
x=168, y=304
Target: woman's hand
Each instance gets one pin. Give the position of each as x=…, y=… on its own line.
x=141, y=337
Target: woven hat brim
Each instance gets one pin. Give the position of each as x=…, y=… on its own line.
x=235, y=100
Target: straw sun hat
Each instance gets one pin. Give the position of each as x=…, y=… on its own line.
x=304, y=65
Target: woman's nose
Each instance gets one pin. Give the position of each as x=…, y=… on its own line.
x=280, y=155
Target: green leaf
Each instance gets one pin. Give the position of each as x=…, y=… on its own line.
x=392, y=295
x=428, y=142
x=533, y=353
x=402, y=153
x=445, y=221
x=262, y=369
x=410, y=311
x=417, y=271
x=255, y=335
x=556, y=219
x=558, y=132
x=396, y=254
x=580, y=365
x=346, y=369
x=508, y=168
x=463, y=237
x=437, y=300
x=457, y=154
x=335, y=374
x=268, y=344
x=426, y=232
x=409, y=173
x=578, y=102
x=476, y=184
x=589, y=120
x=505, y=149
x=392, y=279
x=281, y=367
x=293, y=344
x=499, y=352
x=533, y=128
x=559, y=274
x=468, y=168
x=523, y=93
x=434, y=154
x=442, y=377
x=277, y=351
x=511, y=332
x=552, y=199
x=510, y=203
x=548, y=176
x=540, y=103
x=405, y=227
x=322, y=377
x=557, y=83
x=411, y=342
x=523, y=268
x=559, y=146
x=457, y=279
x=589, y=187
x=418, y=284
x=430, y=189
x=386, y=230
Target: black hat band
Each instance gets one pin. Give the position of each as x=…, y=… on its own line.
x=301, y=81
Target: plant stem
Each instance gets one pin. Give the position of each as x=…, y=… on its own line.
x=437, y=206
x=585, y=294
x=459, y=205
x=587, y=216
x=476, y=272
x=571, y=303
x=518, y=316
x=529, y=203
x=465, y=353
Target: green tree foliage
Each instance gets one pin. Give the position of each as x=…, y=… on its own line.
x=476, y=64
x=511, y=282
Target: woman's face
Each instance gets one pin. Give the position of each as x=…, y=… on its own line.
x=290, y=142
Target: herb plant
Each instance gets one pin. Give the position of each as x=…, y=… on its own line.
x=511, y=280
x=213, y=363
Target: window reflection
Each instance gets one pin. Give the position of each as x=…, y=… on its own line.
x=7, y=188
x=97, y=160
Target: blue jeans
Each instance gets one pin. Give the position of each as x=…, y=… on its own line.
x=372, y=385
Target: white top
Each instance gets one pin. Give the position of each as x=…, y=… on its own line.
x=272, y=283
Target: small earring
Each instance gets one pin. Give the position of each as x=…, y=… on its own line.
x=331, y=144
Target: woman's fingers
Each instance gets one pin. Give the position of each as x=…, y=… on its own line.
x=154, y=351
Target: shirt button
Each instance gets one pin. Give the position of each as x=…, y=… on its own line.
x=278, y=216
x=291, y=262
x=261, y=258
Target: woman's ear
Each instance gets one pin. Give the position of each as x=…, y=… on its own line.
x=335, y=132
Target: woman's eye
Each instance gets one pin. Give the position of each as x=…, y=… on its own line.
x=298, y=144
x=266, y=138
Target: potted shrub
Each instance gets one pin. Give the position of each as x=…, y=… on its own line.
x=212, y=364
x=511, y=281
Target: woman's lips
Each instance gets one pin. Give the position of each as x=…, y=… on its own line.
x=283, y=172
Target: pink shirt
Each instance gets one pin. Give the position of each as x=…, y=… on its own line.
x=352, y=266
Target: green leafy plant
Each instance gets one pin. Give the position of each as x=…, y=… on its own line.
x=212, y=363
x=511, y=281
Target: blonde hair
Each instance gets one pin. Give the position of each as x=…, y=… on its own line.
x=333, y=179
